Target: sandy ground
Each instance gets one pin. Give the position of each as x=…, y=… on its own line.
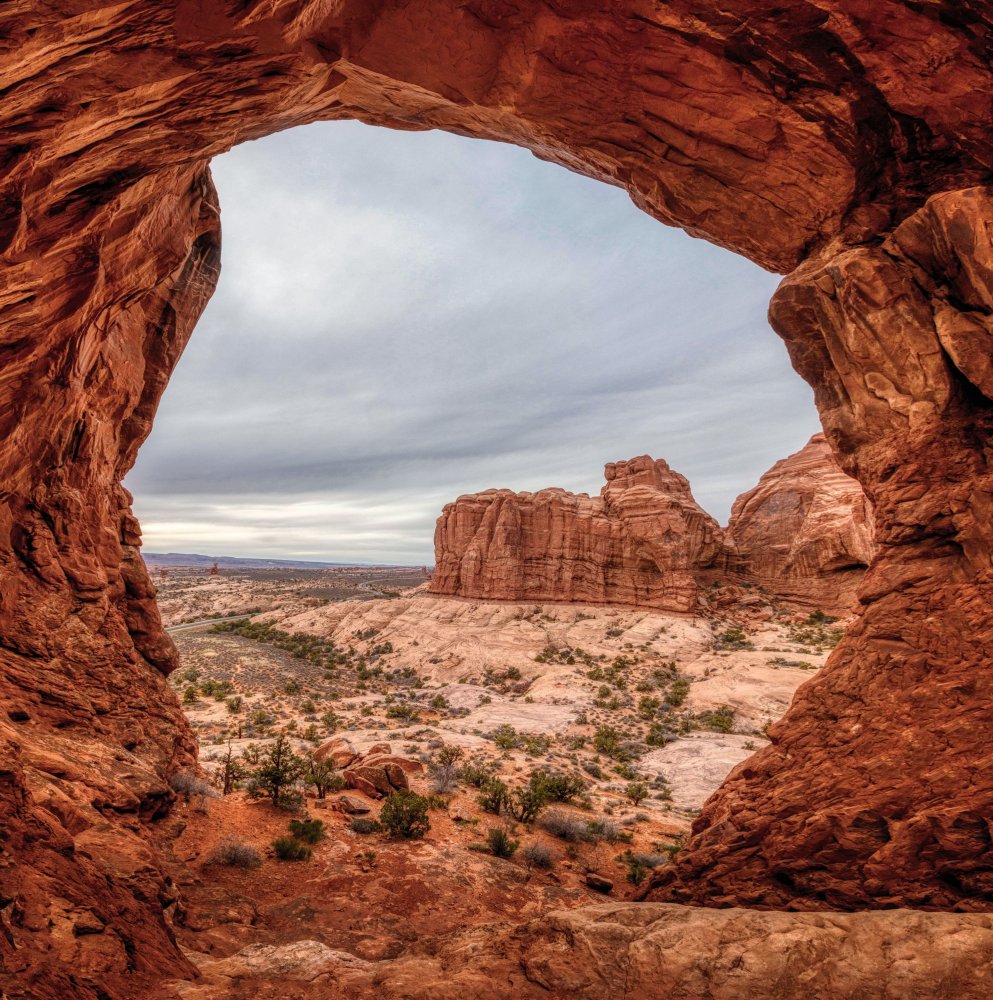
x=508, y=665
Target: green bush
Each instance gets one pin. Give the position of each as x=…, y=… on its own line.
x=308, y=830
x=291, y=849
x=525, y=803
x=493, y=796
x=405, y=814
x=733, y=638
x=660, y=735
x=559, y=787
x=607, y=740
x=678, y=693
x=720, y=719
x=274, y=771
x=506, y=737
x=637, y=791
x=362, y=824
x=500, y=843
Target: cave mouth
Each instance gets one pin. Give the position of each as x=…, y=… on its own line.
x=461, y=316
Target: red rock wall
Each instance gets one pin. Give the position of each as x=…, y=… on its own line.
x=877, y=789
x=796, y=135
x=804, y=534
x=643, y=541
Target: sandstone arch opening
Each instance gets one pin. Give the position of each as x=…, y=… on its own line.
x=848, y=148
x=402, y=319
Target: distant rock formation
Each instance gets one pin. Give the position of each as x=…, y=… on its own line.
x=803, y=534
x=641, y=542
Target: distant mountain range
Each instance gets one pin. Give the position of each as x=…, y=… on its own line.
x=233, y=562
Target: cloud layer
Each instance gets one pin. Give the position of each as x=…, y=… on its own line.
x=406, y=317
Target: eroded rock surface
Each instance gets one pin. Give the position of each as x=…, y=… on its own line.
x=643, y=541
x=805, y=534
x=878, y=786
x=680, y=953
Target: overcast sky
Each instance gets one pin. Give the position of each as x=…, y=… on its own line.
x=406, y=317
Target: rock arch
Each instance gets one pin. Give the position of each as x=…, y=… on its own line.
x=847, y=146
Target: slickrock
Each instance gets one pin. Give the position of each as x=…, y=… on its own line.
x=804, y=534
x=652, y=950
x=844, y=142
x=640, y=542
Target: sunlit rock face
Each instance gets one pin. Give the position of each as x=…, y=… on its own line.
x=807, y=137
x=803, y=536
x=804, y=533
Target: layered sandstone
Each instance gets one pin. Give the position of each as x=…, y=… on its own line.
x=641, y=542
x=804, y=534
x=846, y=141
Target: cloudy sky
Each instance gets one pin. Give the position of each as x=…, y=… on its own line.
x=406, y=317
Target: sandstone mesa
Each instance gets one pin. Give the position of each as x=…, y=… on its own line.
x=802, y=535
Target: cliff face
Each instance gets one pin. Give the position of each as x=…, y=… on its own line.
x=803, y=534
x=640, y=542
x=844, y=142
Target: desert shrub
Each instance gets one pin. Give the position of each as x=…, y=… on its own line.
x=500, y=843
x=559, y=787
x=648, y=706
x=292, y=801
x=720, y=719
x=443, y=779
x=565, y=825
x=602, y=829
x=678, y=692
x=363, y=824
x=476, y=774
x=439, y=703
x=291, y=849
x=234, y=704
x=274, y=771
x=261, y=719
x=322, y=774
x=191, y=694
x=608, y=741
x=660, y=735
x=513, y=674
x=526, y=802
x=493, y=796
x=537, y=855
x=733, y=638
x=650, y=859
x=402, y=711
x=506, y=737
x=405, y=814
x=310, y=831
x=636, y=868
x=235, y=853
x=637, y=792
x=190, y=786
